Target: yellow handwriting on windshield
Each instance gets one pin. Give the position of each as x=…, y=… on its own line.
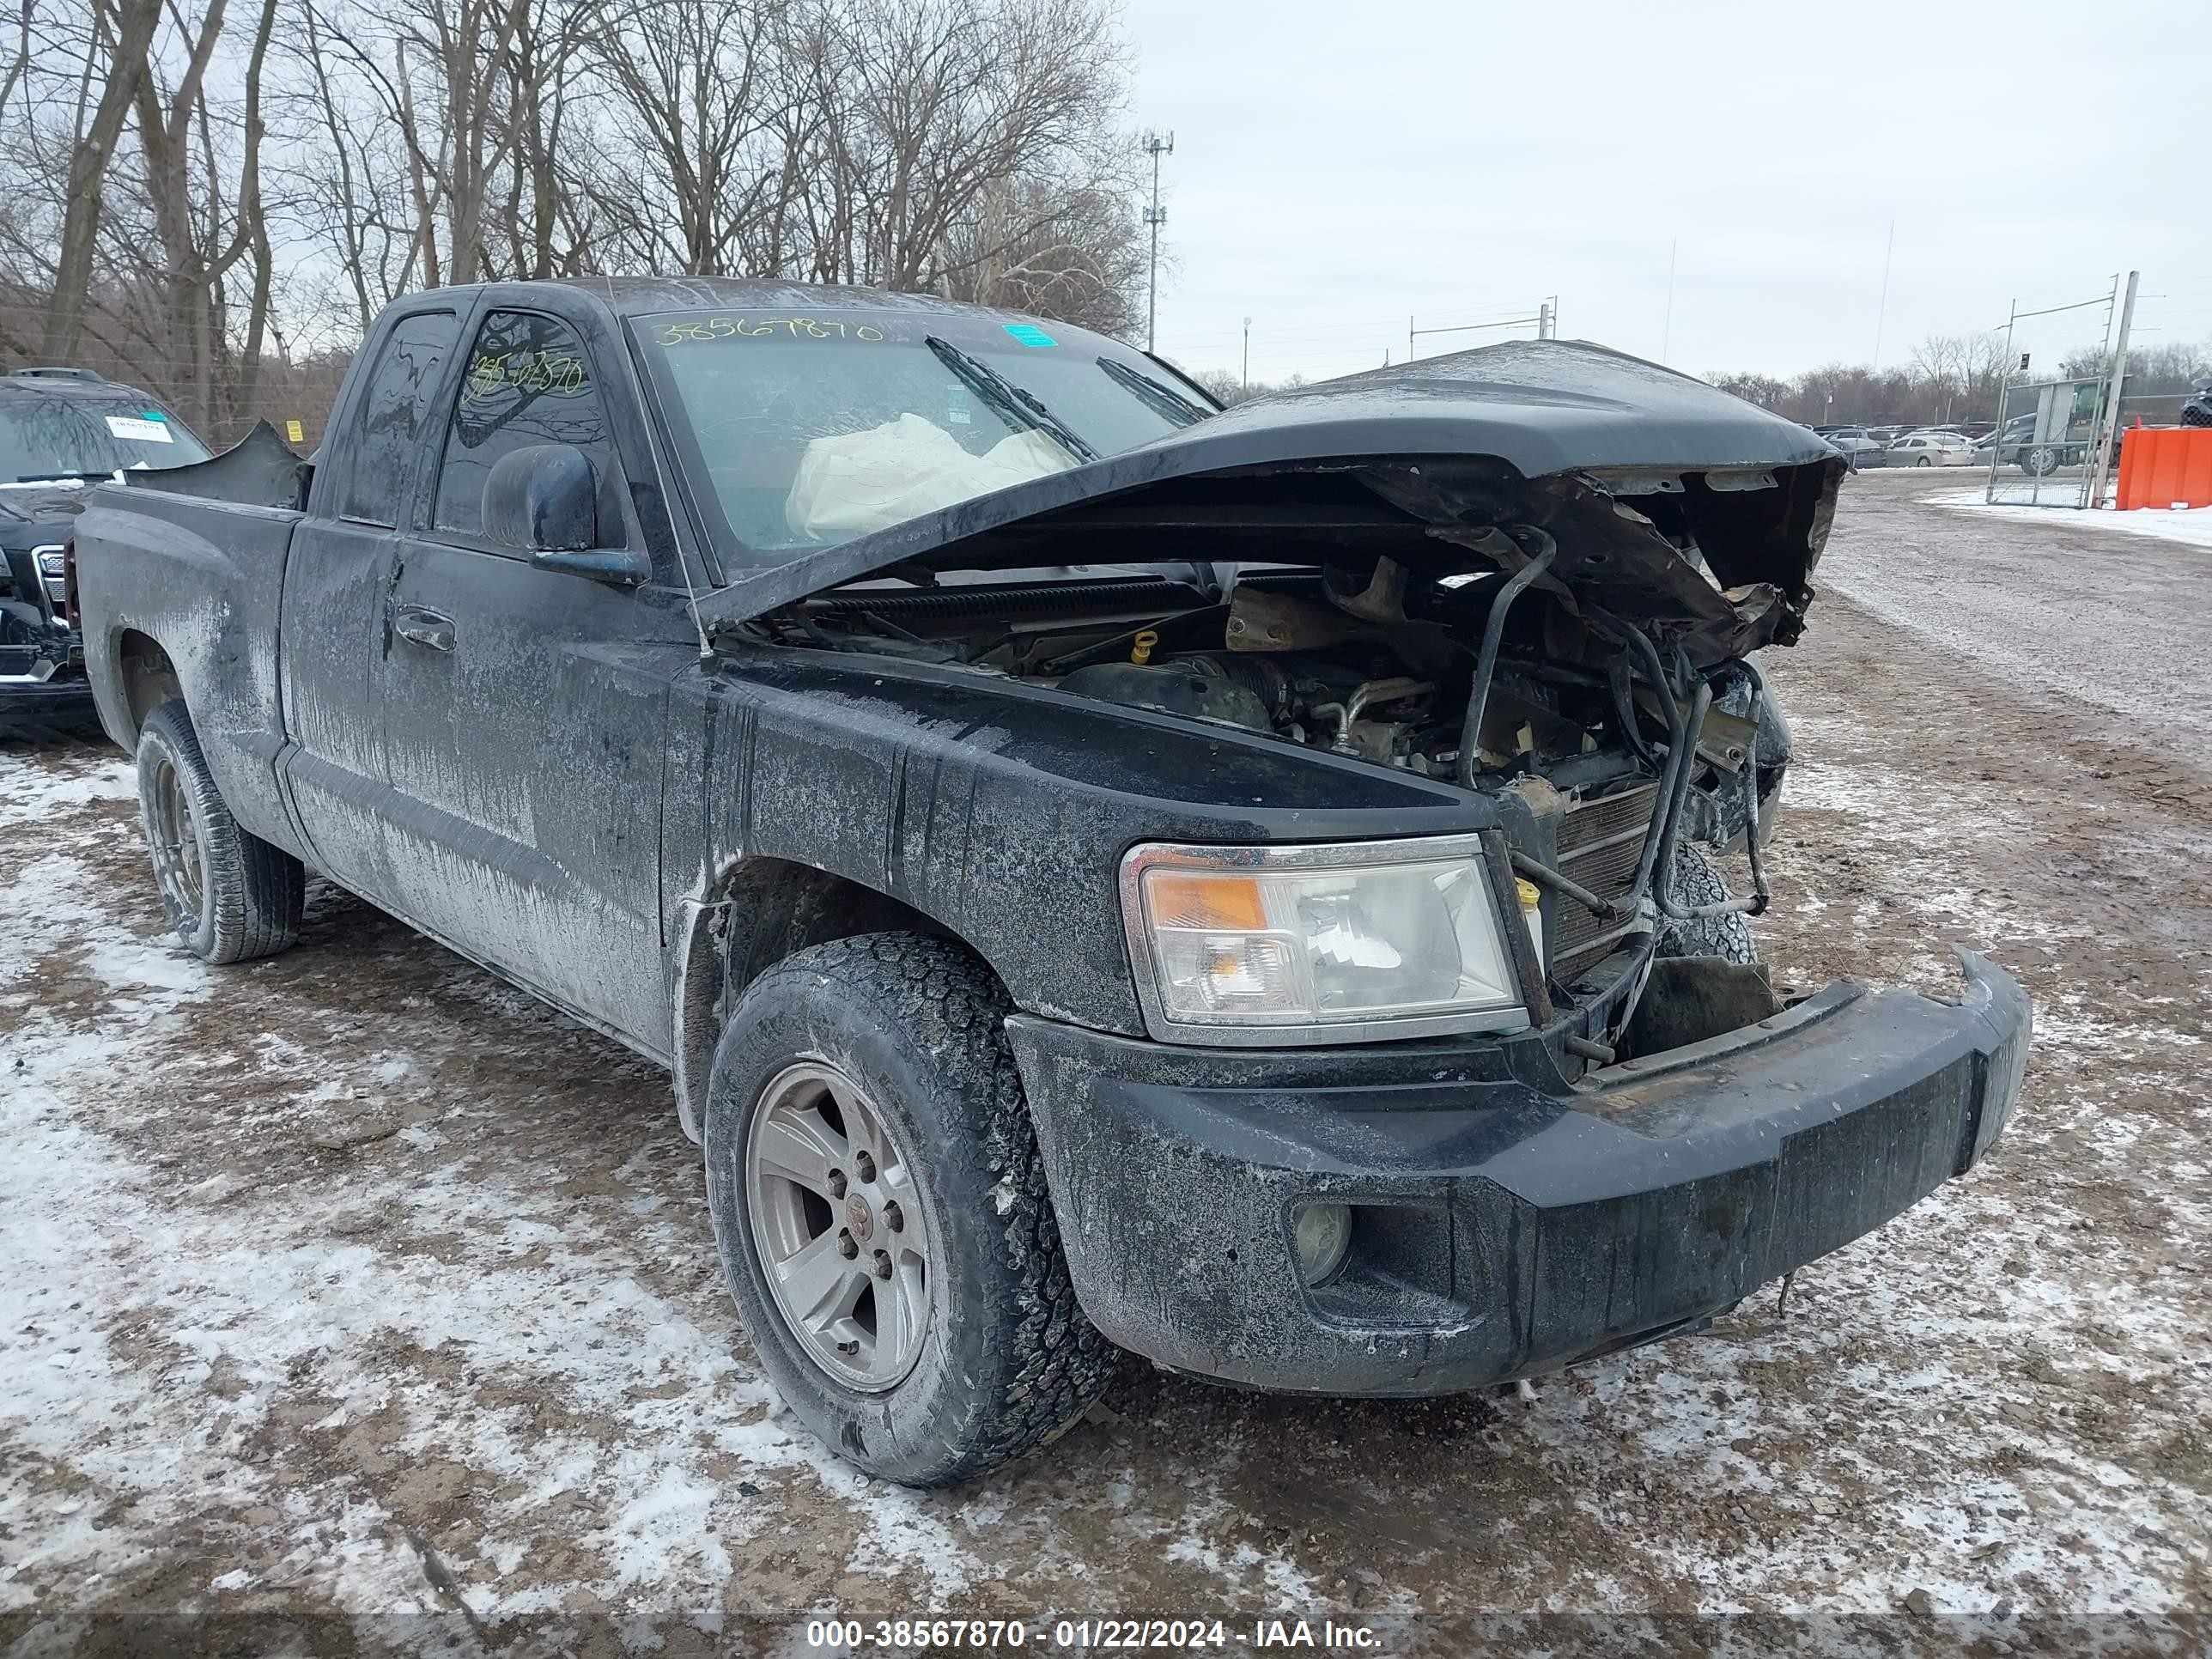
x=753, y=328
x=557, y=372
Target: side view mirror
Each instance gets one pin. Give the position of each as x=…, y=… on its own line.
x=624, y=567
x=545, y=497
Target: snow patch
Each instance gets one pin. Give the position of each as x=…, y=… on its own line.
x=2190, y=526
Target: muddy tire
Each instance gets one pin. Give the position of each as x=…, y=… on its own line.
x=230, y=895
x=881, y=1213
x=1697, y=880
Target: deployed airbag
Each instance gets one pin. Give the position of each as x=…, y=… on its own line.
x=857, y=482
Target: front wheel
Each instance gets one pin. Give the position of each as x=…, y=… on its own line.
x=880, y=1209
x=1697, y=880
x=230, y=895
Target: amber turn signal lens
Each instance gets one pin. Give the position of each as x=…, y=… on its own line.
x=1222, y=903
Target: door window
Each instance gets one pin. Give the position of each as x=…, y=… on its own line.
x=528, y=382
x=391, y=422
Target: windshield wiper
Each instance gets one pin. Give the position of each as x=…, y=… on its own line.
x=1018, y=405
x=1161, y=400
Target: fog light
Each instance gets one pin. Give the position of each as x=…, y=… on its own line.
x=1321, y=1233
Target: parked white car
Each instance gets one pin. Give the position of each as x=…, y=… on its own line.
x=1930, y=449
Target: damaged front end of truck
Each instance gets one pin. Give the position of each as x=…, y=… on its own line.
x=1465, y=1068
x=1398, y=570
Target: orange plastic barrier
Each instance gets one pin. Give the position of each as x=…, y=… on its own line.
x=2166, y=466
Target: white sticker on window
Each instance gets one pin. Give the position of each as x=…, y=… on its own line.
x=146, y=432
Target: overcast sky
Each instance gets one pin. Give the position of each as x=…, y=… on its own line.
x=1339, y=166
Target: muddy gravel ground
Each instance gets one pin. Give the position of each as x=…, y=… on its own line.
x=353, y=1300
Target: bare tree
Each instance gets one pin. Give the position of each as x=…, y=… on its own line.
x=199, y=239
x=697, y=98
x=946, y=99
x=122, y=35
x=219, y=195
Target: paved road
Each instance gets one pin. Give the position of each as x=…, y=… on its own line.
x=317, y=1265
x=2118, y=622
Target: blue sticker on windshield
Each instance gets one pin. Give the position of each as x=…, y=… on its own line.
x=1031, y=335
x=156, y=415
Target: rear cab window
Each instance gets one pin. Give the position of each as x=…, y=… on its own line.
x=385, y=430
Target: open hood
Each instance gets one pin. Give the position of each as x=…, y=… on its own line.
x=1637, y=472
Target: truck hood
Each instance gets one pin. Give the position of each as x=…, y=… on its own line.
x=1675, y=506
x=41, y=504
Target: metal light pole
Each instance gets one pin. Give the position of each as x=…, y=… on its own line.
x=1155, y=216
x=1881, y=309
x=2116, y=377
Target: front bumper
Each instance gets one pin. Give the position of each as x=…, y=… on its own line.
x=1504, y=1222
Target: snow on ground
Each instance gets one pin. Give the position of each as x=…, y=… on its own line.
x=2049, y=599
x=154, y=1312
x=2191, y=527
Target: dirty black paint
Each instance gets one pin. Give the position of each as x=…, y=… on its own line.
x=577, y=785
x=1507, y=1222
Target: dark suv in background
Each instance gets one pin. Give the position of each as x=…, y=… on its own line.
x=62, y=430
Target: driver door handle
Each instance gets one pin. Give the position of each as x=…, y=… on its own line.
x=425, y=628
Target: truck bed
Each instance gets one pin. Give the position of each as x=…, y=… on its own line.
x=206, y=578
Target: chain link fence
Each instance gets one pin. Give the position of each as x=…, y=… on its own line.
x=2047, y=450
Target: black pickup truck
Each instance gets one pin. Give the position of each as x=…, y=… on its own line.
x=1104, y=870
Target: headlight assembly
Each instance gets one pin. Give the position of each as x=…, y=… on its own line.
x=1348, y=943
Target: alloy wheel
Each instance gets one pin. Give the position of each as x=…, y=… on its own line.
x=180, y=860
x=844, y=1244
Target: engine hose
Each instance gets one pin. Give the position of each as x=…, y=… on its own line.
x=1659, y=858
x=1759, y=892
x=1662, y=889
x=1493, y=634
x=1671, y=774
x=1624, y=710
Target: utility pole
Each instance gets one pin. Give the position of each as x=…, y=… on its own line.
x=1157, y=145
x=1544, y=320
x=2112, y=384
x=1248, y=356
x=1881, y=308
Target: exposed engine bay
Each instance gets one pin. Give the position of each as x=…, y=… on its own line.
x=1608, y=744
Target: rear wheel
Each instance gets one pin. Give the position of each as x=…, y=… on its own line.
x=881, y=1213
x=1924, y=461
x=230, y=895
